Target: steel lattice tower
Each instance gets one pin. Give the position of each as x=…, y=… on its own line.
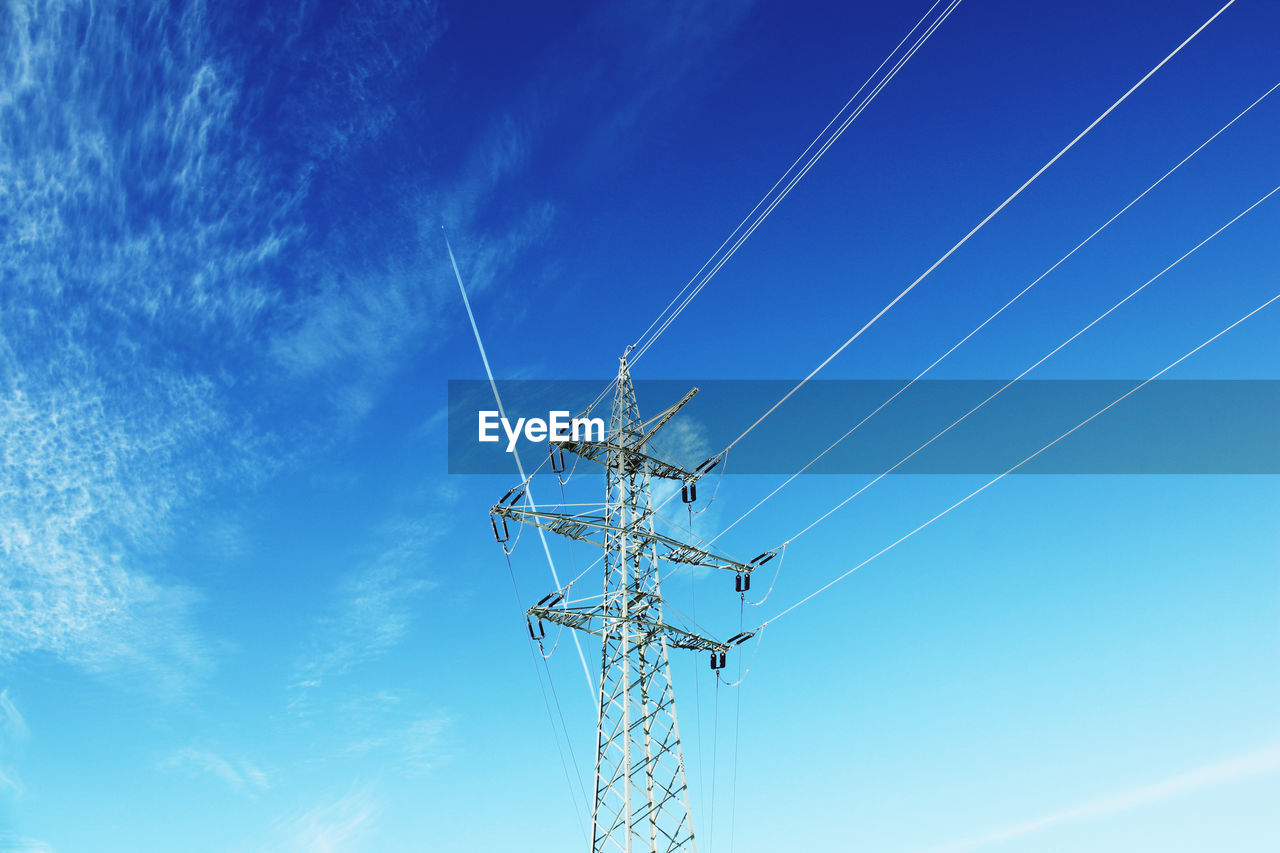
x=641, y=790
x=641, y=793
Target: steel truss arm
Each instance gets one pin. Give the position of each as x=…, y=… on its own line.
x=599, y=451
x=660, y=420
x=597, y=620
x=627, y=447
x=581, y=527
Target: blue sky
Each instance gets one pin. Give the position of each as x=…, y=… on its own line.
x=243, y=606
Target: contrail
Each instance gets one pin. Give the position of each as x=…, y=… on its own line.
x=528, y=484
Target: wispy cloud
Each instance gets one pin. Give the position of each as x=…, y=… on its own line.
x=12, y=843
x=155, y=243
x=485, y=180
x=647, y=55
x=237, y=774
x=1240, y=768
x=348, y=338
x=13, y=732
x=342, y=825
x=373, y=606
x=176, y=282
x=138, y=222
x=412, y=749
x=85, y=481
x=661, y=57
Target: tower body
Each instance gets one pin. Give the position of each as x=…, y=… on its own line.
x=641, y=791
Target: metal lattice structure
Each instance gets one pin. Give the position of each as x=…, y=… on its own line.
x=641, y=790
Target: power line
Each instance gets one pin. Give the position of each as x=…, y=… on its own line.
x=1000, y=477
x=976, y=329
x=1008, y=304
x=809, y=165
x=996, y=314
x=1002, y=389
x=564, y=764
x=641, y=345
x=636, y=725
x=978, y=227
x=1039, y=362
x=973, y=231
x=737, y=727
x=796, y=162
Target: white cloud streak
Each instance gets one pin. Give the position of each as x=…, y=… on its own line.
x=161, y=267
x=340, y=826
x=373, y=607
x=83, y=485
x=138, y=222
x=11, y=843
x=238, y=775
x=412, y=749
x=144, y=234
x=1238, y=769
x=13, y=732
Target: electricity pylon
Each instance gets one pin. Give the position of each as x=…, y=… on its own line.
x=641, y=791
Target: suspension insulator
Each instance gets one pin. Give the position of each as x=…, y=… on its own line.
x=689, y=492
x=746, y=582
x=504, y=535
x=551, y=599
x=542, y=630
x=557, y=459
x=532, y=635
x=737, y=582
x=713, y=661
x=707, y=465
x=721, y=666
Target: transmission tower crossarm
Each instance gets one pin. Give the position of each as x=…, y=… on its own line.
x=583, y=527
x=661, y=419
x=598, y=620
x=604, y=451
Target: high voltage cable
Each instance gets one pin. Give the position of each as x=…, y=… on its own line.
x=515, y=453
x=790, y=169
x=977, y=228
x=971, y=233
x=996, y=314
x=1011, y=382
x=924, y=37
x=970, y=335
x=999, y=477
x=515, y=586
x=708, y=542
x=783, y=177
x=737, y=727
x=1041, y=361
x=564, y=765
x=741, y=239
x=786, y=190
x=573, y=758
